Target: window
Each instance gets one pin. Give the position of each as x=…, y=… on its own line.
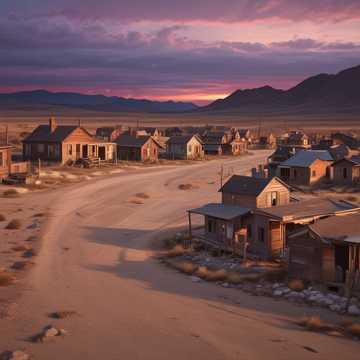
x=190, y=149
x=345, y=173
x=313, y=173
x=261, y=234
x=41, y=148
x=274, y=198
x=70, y=149
x=249, y=231
x=295, y=173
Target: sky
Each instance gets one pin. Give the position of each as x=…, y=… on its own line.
x=188, y=50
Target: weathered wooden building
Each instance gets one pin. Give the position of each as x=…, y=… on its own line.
x=137, y=148
x=346, y=171
x=109, y=133
x=65, y=143
x=326, y=250
x=257, y=214
x=186, y=147
x=306, y=167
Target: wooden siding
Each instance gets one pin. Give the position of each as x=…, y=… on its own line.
x=148, y=152
x=283, y=195
x=5, y=162
x=192, y=150
x=344, y=172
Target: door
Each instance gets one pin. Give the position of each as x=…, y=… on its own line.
x=102, y=153
x=85, y=151
x=78, y=151
x=341, y=262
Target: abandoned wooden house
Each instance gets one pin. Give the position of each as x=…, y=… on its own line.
x=298, y=138
x=326, y=250
x=306, y=167
x=109, y=133
x=137, y=148
x=154, y=132
x=281, y=154
x=346, y=171
x=64, y=144
x=349, y=140
x=186, y=147
x=217, y=143
x=257, y=215
x=268, y=141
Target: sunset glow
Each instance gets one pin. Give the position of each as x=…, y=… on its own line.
x=190, y=50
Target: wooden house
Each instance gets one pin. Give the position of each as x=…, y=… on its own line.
x=346, y=171
x=281, y=154
x=109, y=133
x=186, y=147
x=298, y=138
x=217, y=142
x=306, y=167
x=5, y=160
x=65, y=143
x=154, y=132
x=257, y=214
x=326, y=250
x=340, y=138
x=137, y=148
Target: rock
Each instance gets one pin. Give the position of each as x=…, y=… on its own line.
x=335, y=308
x=278, y=293
x=275, y=286
x=353, y=310
x=50, y=332
x=195, y=279
x=225, y=285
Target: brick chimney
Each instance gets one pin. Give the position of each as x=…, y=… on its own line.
x=52, y=124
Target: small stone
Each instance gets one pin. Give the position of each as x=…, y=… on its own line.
x=195, y=279
x=225, y=285
x=335, y=308
x=278, y=293
x=354, y=310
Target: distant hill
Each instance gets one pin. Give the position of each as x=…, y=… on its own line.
x=38, y=98
x=321, y=93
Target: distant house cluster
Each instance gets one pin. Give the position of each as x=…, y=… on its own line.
x=67, y=144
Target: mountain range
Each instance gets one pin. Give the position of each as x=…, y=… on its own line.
x=43, y=98
x=323, y=93
x=320, y=93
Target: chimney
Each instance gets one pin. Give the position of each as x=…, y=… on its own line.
x=52, y=124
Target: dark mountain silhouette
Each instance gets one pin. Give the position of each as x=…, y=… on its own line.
x=40, y=98
x=320, y=93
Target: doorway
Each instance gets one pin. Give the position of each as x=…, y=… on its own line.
x=85, y=151
x=341, y=261
x=102, y=153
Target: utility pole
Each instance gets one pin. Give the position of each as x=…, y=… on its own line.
x=221, y=175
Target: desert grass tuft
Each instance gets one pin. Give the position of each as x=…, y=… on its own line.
x=207, y=274
x=64, y=314
x=314, y=323
x=184, y=266
x=19, y=248
x=6, y=278
x=296, y=285
x=142, y=196
x=177, y=250
x=353, y=329
x=10, y=193
x=187, y=187
x=14, y=224
x=21, y=265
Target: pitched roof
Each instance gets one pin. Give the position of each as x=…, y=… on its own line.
x=221, y=211
x=340, y=228
x=355, y=161
x=43, y=134
x=247, y=185
x=308, y=208
x=305, y=158
x=182, y=139
x=133, y=141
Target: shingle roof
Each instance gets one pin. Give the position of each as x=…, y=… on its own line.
x=42, y=133
x=304, y=158
x=221, y=211
x=182, y=139
x=308, y=208
x=341, y=228
x=246, y=185
x=132, y=141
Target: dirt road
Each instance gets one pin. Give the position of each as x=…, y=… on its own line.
x=97, y=260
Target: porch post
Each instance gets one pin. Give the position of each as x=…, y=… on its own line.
x=190, y=227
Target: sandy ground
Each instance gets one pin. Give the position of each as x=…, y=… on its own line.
x=97, y=259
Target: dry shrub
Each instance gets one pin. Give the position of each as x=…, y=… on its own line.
x=6, y=278
x=2, y=217
x=296, y=285
x=253, y=278
x=211, y=275
x=19, y=248
x=314, y=323
x=177, y=250
x=136, y=202
x=14, y=224
x=65, y=314
x=39, y=215
x=142, y=196
x=32, y=238
x=353, y=329
x=187, y=187
x=29, y=253
x=351, y=198
x=10, y=193
x=186, y=267
x=22, y=265
x=234, y=277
